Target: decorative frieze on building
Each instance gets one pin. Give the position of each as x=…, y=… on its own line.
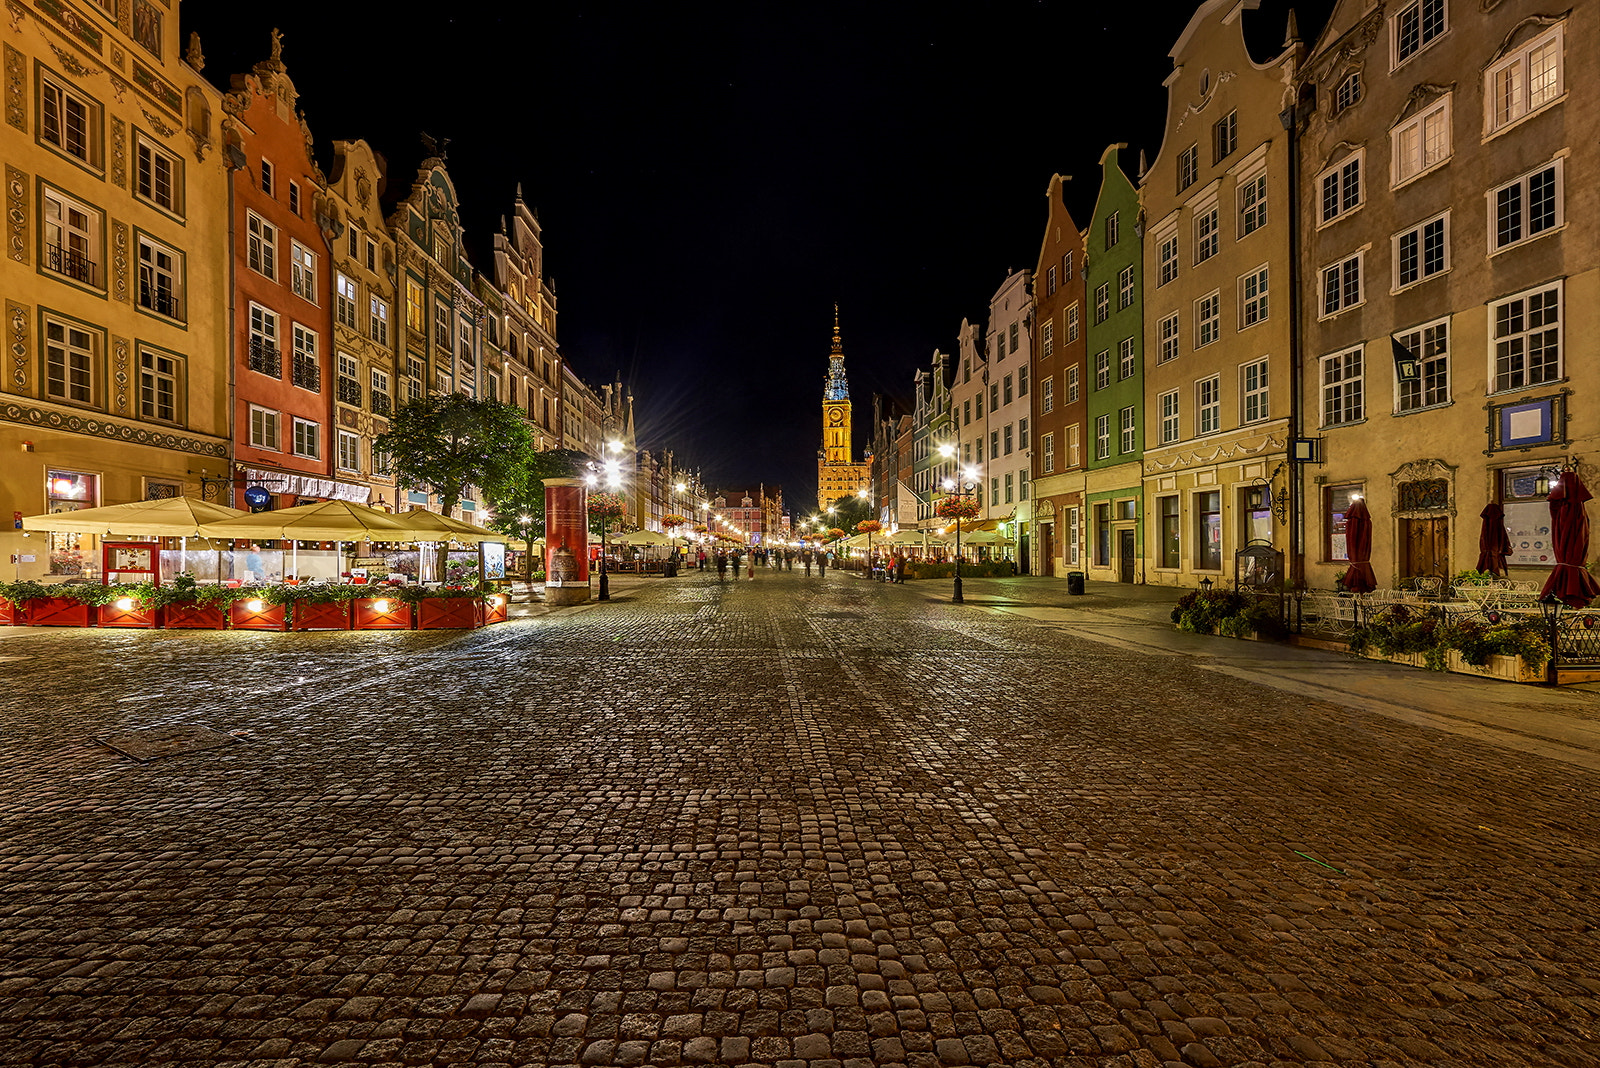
x=17, y=342
x=16, y=113
x=16, y=214
x=119, y=372
x=106, y=428
x=119, y=261
x=119, y=152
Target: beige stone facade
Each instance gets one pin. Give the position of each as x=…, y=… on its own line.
x=531, y=371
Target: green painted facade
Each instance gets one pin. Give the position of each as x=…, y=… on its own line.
x=1113, y=247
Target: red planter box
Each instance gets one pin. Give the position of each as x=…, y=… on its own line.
x=145, y=618
x=191, y=616
x=308, y=616
x=59, y=612
x=397, y=616
x=10, y=615
x=450, y=613
x=271, y=617
x=495, y=608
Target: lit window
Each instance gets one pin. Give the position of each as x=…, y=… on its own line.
x=344, y=300
x=1527, y=339
x=72, y=238
x=1341, y=188
x=1252, y=204
x=261, y=241
x=303, y=271
x=1430, y=347
x=69, y=120
x=1525, y=81
x=1422, y=142
x=1254, y=397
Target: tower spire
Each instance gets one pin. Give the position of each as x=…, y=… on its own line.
x=836, y=388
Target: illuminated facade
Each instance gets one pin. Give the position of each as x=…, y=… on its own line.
x=1058, y=396
x=530, y=374
x=838, y=475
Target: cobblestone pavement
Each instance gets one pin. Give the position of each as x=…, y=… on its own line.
x=794, y=821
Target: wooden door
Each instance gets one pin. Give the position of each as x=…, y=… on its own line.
x=1426, y=546
x=1125, y=556
x=1047, y=549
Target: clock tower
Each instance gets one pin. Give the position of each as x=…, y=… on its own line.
x=837, y=473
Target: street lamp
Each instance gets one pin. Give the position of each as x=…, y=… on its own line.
x=959, y=490
x=613, y=483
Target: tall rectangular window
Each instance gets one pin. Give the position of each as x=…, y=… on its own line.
x=261, y=245
x=1113, y=228
x=345, y=294
x=1526, y=333
x=1102, y=301
x=1008, y=394
x=1047, y=453
x=1341, y=188
x=307, y=439
x=1336, y=501
x=1168, y=404
x=1047, y=396
x=69, y=121
x=994, y=444
x=1166, y=258
x=1206, y=229
x=1129, y=427
x=1341, y=285
x=1414, y=26
x=414, y=306
x=1255, y=399
x=1342, y=381
x=380, y=392
x=266, y=177
x=265, y=357
x=72, y=238
x=294, y=198
x=1047, y=338
x=1208, y=531
x=1224, y=136
x=1167, y=338
x=1252, y=204
x=1167, y=508
x=160, y=278
x=994, y=398
x=1072, y=323
x=71, y=354
x=1524, y=209
x=1127, y=365
x=263, y=428
x=1125, y=287
x=1010, y=475
x=1207, y=319
x=160, y=385
x=1066, y=267
x=1102, y=369
x=1430, y=346
x=1422, y=142
x=1253, y=297
x=1208, y=405
x=1050, y=281
x=1074, y=446
x=379, y=320
x=1072, y=384
x=1188, y=167
x=1015, y=336
x=349, y=458
x=1022, y=433
x=1006, y=438
x=1422, y=251
x=303, y=271
x=1526, y=80
x=305, y=371
x=1022, y=381
x=158, y=177
x=1102, y=437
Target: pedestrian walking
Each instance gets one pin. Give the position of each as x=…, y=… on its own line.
x=700, y=559
x=752, y=567
x=900, y=568
x=822, y=565
x=805, y=558
x=722, y=565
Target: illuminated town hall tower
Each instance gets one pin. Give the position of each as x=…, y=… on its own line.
x=838, y=475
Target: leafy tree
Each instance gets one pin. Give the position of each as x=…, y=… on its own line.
x=848, y=511
x=518, y=507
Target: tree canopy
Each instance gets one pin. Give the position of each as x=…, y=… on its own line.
x=848, y=511
x=447, y=442
x=518, y=507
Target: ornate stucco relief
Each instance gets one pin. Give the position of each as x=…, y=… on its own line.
x=16, y=214
x=17, y=342
x=119, y=261
x=119, y=152
x=119, y=373
x=73, y=423
x=16, y=113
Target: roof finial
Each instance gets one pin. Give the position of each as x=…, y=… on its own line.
x=519, y=192
x=1291, y=33
x=838, y=347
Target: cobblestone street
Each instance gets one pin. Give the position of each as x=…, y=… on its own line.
x=789, y=821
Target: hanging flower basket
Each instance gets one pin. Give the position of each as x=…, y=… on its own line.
x=674, y=520
x=604, y=505
x=956, y=508
x=868, y=526
x=699, y=528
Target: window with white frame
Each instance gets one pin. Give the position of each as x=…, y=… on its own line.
x=1127, y=423
x=160, y=278
x=1072, y=384
x=261, y=245
x=68, y=120
x=1421, y=142
x=305, y=372
x=1341, y=188
x=1166, y=257
x=1422, y=251
x=1125, y=287
x=379, y=320
x=303, y=271
x=1102, y=301
x=158, y=176
x=994, y=397
x=1074, y=519
x=1066, y=266
x=1008, y=394
x=380, y=391
x=264, y=356
x=1524, y=209
x=1047, y=453
x=1074, y=446
x=72, y=238
x=994, y=444
x=1206, y=226
x=1047, y=338
x=1050, y=281
x=1341, y=285
x=1348, y=92
x=1072, y=322
x=372, y=255
x=1010, y=486
x=1047, y=396
x=1126, y=364
x=349, y=446
x=344, y=300
x=415, y=374
x=1255, y=400
x=1022, y=433
x=1224, y=136
x=1102, y=369
x=1102, y=437
x=1429, y=345
x=1006, y=439
x=1188, y=167
x=1252, y=193
x=264, y=428
x=1168, y=406
x=1342, y=400
x=1253, y=297
x=1526, y=80
x=1015, y=335
x=1167, y=338
x=1208, y=405
x=71, y=361
x=1526, y=335
x=1207, y=319
x=307, y=439
x=1415, y=26
x=1113, y=228
x=160, y=386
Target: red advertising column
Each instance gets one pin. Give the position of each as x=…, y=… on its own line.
x=566, y=541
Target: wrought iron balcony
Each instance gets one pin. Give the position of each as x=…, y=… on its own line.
x=380, y=403
x=350, y=391
x=306, y=374
x=160, y=301
x=265, y=357
x=72, y=263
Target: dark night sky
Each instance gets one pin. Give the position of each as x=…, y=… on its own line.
x=712, y=179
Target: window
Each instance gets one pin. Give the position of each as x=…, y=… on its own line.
x=1206, y=232
x=1074, y=446
x=1066, y=267
x=1006, y=438
x=1102, y=437
x=1166, y=257
x=1008, y=394
x=344, y=300
x=349, y=451
x=266, y=177
x=1208, y=405
x=1527, y=207
x=1421, y=143
x=414, y=305
x=159, y=386
x=1208, y=530
x=441, y=325
x=158, y=177
x=415, y=373
x=1129, y=441
x=1047, y=338
x=1422, y=251
x=372, y=255
x=264, y=357
x=1125, y=287
x=380, y=392
x=1167, y=337
x=160, y=278
x=303, y=271
x=1125, y=360
x=994, y=444
x=69, y=121
x=1188, y=167
x=1113, y=228
x=1022, y=433
x=1341, y=188
x=1341, y=389
x=349, y=384
x=1252, y=204
x=72, y=238
x=1102, y=535
x=1207, y=319
x=1015, y=336
x=1072, y=384
x=305, y=372
x=1050, y=281
x=994, y=490
x=1525, y=81
x=307, y=439
x=1071, y=546
x=353, y=241
x=1415, y=26
x=294, y=198
x=994, y=398
x=71, y=354
x=261, y=245
x=1102, y=369
x=1430, y=346
x=1224, y=136
x=1255, y=400
x=380, y=321
x=1047, y=453
x=1102, y=301
x=966, y=412
x=1341, y=285
x=1167, y=508
x=1047, y=396
x=1527, y=339
x=1010, y=488
x=1348, y=93
x=979, y=402
x=263, y=428
x=1336, y=501
x=1253, y=297
x=1022, y=382
x=1072, y=322
x=1169, y=417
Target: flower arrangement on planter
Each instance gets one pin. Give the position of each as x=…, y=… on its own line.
x=957, y=507
x=1401, y=630
x=674, y=520
x=1225, y=612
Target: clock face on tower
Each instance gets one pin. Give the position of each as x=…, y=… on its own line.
x=835, y=416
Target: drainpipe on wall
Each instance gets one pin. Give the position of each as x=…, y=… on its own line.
x=1291, y=117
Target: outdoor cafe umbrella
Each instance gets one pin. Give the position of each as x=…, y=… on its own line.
x=1493, y=541
x=1358, y=548
x=1569, y=580
x=431, y=526
x=170, y=517
x=643, y=537
x=335, y=521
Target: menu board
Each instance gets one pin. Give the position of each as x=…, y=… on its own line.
x=1528, y=525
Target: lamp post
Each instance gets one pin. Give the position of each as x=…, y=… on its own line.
x=1550, y=607
x=959, y=489
x=613, y=473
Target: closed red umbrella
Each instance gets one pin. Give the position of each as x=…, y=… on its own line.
x=1358, y=548
x=1569, y=580
x=1493, y=541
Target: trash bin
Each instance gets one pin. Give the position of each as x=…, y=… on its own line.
x=1075, y=583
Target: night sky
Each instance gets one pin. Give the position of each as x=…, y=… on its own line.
x=711, y=179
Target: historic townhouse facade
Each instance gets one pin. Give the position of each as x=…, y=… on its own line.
x=114, y=277
x=368, y=383
x=282, y=308
x=582, y=414
x=1451, y=292
x=1113, y=280
x=1008, y=460
x=1218, y=378
x=969, y=417
x=532, y=371
x=1059, y=347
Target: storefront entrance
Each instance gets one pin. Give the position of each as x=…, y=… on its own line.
x=1125, y=550
x=1427, y=546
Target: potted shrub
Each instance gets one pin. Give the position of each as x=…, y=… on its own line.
x=70, y=604
x=257, y=608
x=191, y=606
x=141, y=605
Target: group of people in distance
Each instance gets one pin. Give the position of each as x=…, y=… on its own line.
x=891, y=570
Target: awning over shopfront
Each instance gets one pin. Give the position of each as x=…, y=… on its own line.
x=170, y=517
x=305, y=485
x=431, y=526
x=323, y=521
